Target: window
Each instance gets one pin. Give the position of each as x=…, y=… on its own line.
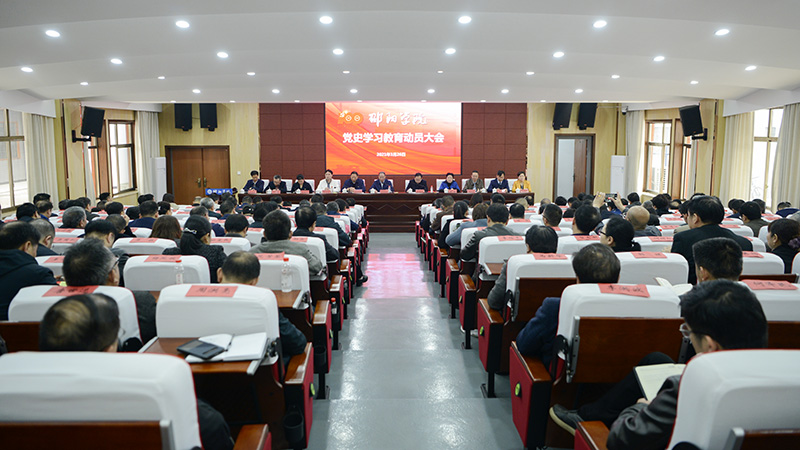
x=767, y=127
x=658, y=150
x=120, y=149
x=13, y=170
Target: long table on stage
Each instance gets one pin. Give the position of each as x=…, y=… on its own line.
x=389, y=212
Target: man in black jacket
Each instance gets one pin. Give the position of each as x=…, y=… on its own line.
x=306, y=220
x=18, y=266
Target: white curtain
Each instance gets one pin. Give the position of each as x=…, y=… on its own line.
x=40, y=146
x=634, y=151
x=737, y=158
x=147, y=148
x=786, y=176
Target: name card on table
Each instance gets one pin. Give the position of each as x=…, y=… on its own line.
x=163, y=258
x=64, y=230
x=660, y=238
x=420, y=191
x=649, y=255
x=729, y=225
x=222, y=240
x=587, y=238
x=64, y=240
x=548, y=256
x=510, y=238
x=524, y=191
x=764, y=285
x=669, y=227
x=567, y=219
x=470, y=191
x=64, y=291
x=522, y=220
x=305, y=192
x=635, y=290
x=326, y=191
x=385, y=191
x=211, y=291
x=270, y=256
x=299, y=239
x=752, y=255
x=143, y=240
x=54, y=259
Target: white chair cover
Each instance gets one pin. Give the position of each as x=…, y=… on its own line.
x=101, y=387
x=142, y=232
x=270, y=277
x=655, y=243
x=642, y=270
x=496, y=249
x=54, y=263
x=144, y=246
x=520, y=226
x=331, y=235
x=739, y=230
x=778, y=304
x=466, y=235
x=528, y=266
x=758, y=244
x=143, y=275
x=231, y=244
x=315, y=245
x=69, y=232
x=762, y=234
x=572, y=244
x=767, y=264
x=61, y=244
x=445, y=218
x=254, y=236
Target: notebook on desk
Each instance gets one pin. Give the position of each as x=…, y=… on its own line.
x=244, y=347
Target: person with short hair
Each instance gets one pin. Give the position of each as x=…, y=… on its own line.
x=27, y=212
x=278, y=232
x=783, y=239
x=47, y=232
x=236, y=225
x=460, y=210
x=41, y=196
x=417, y=184
x=784, y=209
x=45, y=208
x=661, y=204
x=276, y=185
x=497, y=220
x=551, y=216
x=586, y=219
x=447, y=209
x=381, y=184
x=618, y=234
x=325, y=221
x=449, y=184
x=751, y=217
x=255, y=183
x=300, y=184
x=327, y=183
x=478, y=220
x=521, y=183
x=717, y=259
x=475, y=200
x=705, y=213
x=734, y=204
x=196, y=240
x=114, y=208
x=148, y=211
x=639, y=217
x=204, y=213
x=226, y=208
x=498, y=184
x=167, y=227
x=516, y=211
x=475, y=183
x=18, y=266
x=74, y=217
x=211, y=206
x=306, y=220
x=353, y=183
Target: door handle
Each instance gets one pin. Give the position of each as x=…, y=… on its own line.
x=205, y=182
x=198, y=182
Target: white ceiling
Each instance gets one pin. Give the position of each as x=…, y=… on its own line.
x=394, y=49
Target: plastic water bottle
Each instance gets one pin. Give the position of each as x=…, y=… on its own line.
x=178, y=273
x=286, y=276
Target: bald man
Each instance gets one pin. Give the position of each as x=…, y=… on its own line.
x=638, y=217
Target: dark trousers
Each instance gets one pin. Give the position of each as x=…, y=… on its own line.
x=214, y=431
x=623, y=394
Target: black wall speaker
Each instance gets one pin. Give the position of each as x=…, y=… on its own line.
x=208, y=116
x=561, y=115
x=586, y=115
x=92, y=122
x=183, y=116
x=691, y=120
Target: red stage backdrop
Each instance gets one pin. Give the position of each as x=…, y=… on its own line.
x=397, y=138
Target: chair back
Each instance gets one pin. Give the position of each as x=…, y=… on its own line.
x=271, y=265
x=331, y=235
x=534, y=265
x=142, y=232
x=231, y=244
x=644, y=267
x=144, y=246
x=101, y=387
x=780, y=300
x=454, y=224
x=668, y=229
x=654, y=243
x=762, y=234
x=749, y=389
x=520, y=226
x=54, y=263
x=739, y=230
x=572, y=244
x=155, y=272
x=444, y=220
x=758, y=244
x=314, y=244
x=61, y=244
x=466, y=235
x=343, y=222
x=496, y=249
x=69, y=232
x=761, y=263
x=254, y=236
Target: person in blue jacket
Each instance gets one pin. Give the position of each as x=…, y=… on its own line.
x=449, y=183
x=353, y=183
x=255, y=183
x=498, y=183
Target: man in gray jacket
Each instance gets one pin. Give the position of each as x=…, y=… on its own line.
x=278, y=231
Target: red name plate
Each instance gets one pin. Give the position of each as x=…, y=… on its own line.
x=63, y=291
x=211, y=291
x=54, y=259
x=752, y=255
x=480, y=228
x=764, y=285
x=143, y=240
x=65, y=240
x=649, y=255
x=524, y=191
x=270, y=256
x=163, y=258
x=466, y=220
x=567, y=219
x=470, y=191
x=548, y=256
x=509, y=238
x=221, y=240
x=729, y=225
x=635, y=290
x=299, y=239
x=65, y=230
x=420, y=191
x=660, y=238
x=305, y=192
x=669, y=227
x=181, y=212
x=217, y=221
x=587, y=238
x=522, y=220
x=326, y=191
x=384, y=191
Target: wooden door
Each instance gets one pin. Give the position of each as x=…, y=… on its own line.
x=216, y=168
x=192, y=169
x=579, y=179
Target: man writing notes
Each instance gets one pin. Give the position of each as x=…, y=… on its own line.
x=381, y=184
x=328, y=183
x=276, y=184
x=475, y=182
x=255, y=183
x=353, y=183
x=417, y=184
x=500, y=183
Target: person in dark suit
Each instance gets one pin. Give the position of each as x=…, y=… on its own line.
x=148, y=212
x=783, y=239
x=255, y=183
x=326, y=221
x=306, y=220
x=301, y=185
x=417, y=183
x=236, y=225
x=353, y=183
x=499, y=183
x=276, y=184
x=27, y=212
x=18, y=266
x=705, y=213
x=47, y=232
x=497, y=219
x=381, y=184
x=475, y=182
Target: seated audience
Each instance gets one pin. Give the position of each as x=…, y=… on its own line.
x=460, y=209
x=121, y=224
x=447, y=209
x=326, y=221
x=381, y=184
x=538, y=239
x=608, y=206
x=499, y=199
x=617, y=233
x=201, y=211
x=164, y=209
x=276, y=185
x=114, y=208
x=169, y=198
x=717, y=259
x=478, y=220
x=516, y=211
x=74, y=217
x=301, y=184
x=132, y=213
x=45, y=209
x=784, y=209
x=475, y=200
x=328, y=183
x=586, y=219
x=417, y=184
x=195, y=240
x=167, y=227
x=306, y=220
x=278, y=231
x=638, y=217
x=18, y=266
x=561, y=201
x=497, y=219
x=661, y=204
x=449, y=184
x=734, y=205
x=91, y=323
x=551, y=215
x=521, y=183
x=47, y=232
x=783, y=239
x=353, y=183
x=498, y=184
x=750, y=214
x=148, y=212
x=236, y=225
x=27, y=212
x=211, y=207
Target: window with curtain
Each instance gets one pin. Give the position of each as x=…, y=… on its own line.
x=113, y=162
x=657, y=155
x=13, y=170
x=766, y=129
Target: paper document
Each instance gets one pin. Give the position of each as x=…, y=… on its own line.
x=220, y=340
x=678, y=289
x=652, y=377
x=245, y=347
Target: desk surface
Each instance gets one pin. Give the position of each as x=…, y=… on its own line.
x=493, y=268
x=169, y=346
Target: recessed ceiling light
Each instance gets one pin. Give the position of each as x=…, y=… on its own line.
x=694, y=82
x=423, y=101
x=528, y=73
x=251, y=74
x=297, y=101
x=354, y=91
x=450, y=51
x=504, y=91
x=440, y=71
x=578, y=91
x=658, y=58
x=26, y=69
x=615, y=76
x=722, y=32
x=749, y=68
x=558, y=55
x=327, y=20
x=116, y=61
x=605, y=101
x=276, y=91
x=431, y=91
x=162, y=77
x=359, y=101
x=345, y=72
x=600, y=24
x=172, y=101
x=338, y=51
x=182, y=24
x=483, y=101
x=542, y=101
x=222, y=55
x=84, y=83
x=196, y=91
x=233, y=101
x=52, y=33
x=465, y=19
